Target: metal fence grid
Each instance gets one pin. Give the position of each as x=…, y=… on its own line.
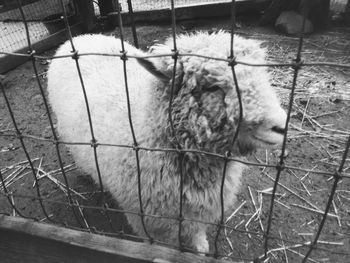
x=296, y=64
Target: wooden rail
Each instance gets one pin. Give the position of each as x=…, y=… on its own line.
x=195, y=11
x=23, y=240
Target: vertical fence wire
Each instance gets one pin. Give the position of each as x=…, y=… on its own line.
x=232, y=28
x=174, y=137
x=9, y=199
x=132, y=21
x=172, y=90
x=18, y=132
x=7, y=193
x=337, y=177
x=135, y=143
x=296, y=65
x=93, y=143
x=20, y=138
x=32, y=58
x=232, y=64
x=222, y=217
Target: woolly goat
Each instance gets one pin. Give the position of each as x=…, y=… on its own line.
x=205, y=112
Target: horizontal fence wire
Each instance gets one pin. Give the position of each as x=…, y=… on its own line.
x=297, y=64
x=185, y=150
x=228, y=60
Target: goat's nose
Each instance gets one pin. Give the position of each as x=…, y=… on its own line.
x=278, y=129
x=277, y=118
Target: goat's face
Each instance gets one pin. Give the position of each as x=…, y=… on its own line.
x=206, y=106
x=263, y=121
x=214, y=108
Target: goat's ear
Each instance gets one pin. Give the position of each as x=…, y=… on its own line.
x=156, y=68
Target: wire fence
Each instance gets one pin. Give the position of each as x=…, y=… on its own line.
x=296, y=64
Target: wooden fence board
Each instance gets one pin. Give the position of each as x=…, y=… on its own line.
x=196, y=11
x=23, y=240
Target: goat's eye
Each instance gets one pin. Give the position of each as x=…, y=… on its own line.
x=211, y=89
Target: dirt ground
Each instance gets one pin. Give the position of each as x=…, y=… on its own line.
x=320, y=125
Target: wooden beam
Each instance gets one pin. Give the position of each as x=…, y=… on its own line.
x=9, y=62
x=106, y=6
x=24, y=240
x=86, y=13
x=192, y=11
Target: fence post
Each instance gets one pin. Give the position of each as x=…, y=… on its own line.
x=106, y=6
x=86, y=13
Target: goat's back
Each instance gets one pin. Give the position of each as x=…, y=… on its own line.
x=103, y=80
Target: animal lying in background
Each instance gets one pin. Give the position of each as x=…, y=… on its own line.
x=205, y=112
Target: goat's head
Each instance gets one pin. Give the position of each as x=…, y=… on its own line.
x=206, y=108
